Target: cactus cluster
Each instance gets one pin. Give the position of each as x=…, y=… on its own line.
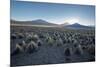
x=73, y=42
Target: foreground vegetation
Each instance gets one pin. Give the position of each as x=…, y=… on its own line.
x=61, y=45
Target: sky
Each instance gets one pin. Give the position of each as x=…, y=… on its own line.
x=54, y=13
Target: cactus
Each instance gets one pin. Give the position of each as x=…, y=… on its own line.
x=79, y=50
x=13, y=36
x=20, y=35
x=31, y=47
x=67, y=52
x=19, y=49
x=91, y=50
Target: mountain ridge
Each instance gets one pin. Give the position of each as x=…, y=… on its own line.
x=33, y=22
x=46, y=23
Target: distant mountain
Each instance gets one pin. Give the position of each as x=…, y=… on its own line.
x=42, y=22
x=78, y=26
x=33, y=22
x=65, y=24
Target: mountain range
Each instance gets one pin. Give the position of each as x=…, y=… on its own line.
x=78, y=26
x=33, y=22
x=46, y=23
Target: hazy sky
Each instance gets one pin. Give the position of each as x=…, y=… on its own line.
x=54, y=13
